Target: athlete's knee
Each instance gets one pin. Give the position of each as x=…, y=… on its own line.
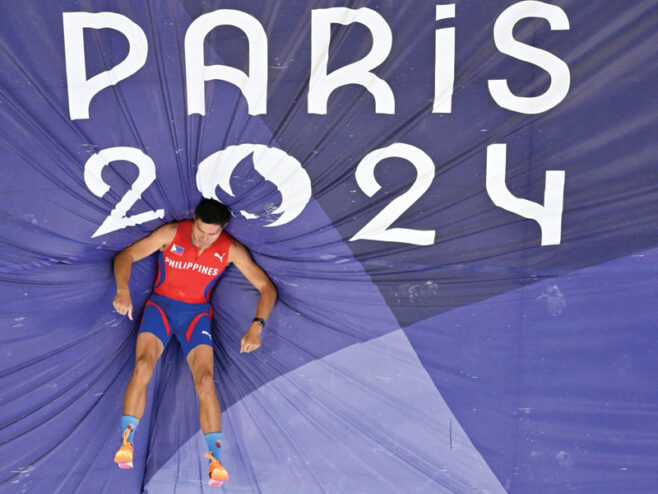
x=204, y=384
x=143, y=369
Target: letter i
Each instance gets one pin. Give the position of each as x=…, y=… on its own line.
x=444, y=62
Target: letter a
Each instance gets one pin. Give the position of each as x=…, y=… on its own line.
x=253, y=86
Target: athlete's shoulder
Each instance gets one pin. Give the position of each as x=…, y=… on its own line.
x=237, y=252
x=165, y=234
x=173, y=226
x=168, y=228
x=184, y=225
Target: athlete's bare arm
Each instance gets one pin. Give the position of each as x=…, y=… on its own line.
x=123, y=261
x=240, y=256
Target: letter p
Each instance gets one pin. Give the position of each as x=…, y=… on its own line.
x=80, y=89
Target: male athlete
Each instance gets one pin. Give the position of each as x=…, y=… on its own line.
x=193, y=254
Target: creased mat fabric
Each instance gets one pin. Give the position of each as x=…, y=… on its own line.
x=460, y=352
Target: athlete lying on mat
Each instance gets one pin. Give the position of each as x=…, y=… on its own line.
x=193, y=254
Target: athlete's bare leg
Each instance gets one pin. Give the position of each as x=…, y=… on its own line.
x=200, y=360
x=148, y=351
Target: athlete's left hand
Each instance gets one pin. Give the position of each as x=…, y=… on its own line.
x=251, y=339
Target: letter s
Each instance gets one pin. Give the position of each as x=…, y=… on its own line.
x=556, y=68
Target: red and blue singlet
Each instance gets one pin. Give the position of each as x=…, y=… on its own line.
x=186, y=276
x=180, y=301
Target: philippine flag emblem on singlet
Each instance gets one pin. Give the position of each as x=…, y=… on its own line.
x=177, y=249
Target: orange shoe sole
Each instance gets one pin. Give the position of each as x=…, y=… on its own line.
x=124, y=458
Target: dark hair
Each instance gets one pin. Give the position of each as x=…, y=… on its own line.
x=212, y=212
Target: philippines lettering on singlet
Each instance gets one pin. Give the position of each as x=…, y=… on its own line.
x=184, y=275
x=193, y=266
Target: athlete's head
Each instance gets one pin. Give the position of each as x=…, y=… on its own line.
x=210, y=218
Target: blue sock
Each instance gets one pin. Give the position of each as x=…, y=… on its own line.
x=214, y=442
x=127, y=420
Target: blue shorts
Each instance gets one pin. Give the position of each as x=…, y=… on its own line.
x=165, y=317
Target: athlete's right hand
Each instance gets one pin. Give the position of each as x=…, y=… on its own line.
x=123, y=305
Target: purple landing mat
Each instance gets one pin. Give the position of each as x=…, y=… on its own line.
x=63, y=390
x=365, y=419
x=555, y=383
